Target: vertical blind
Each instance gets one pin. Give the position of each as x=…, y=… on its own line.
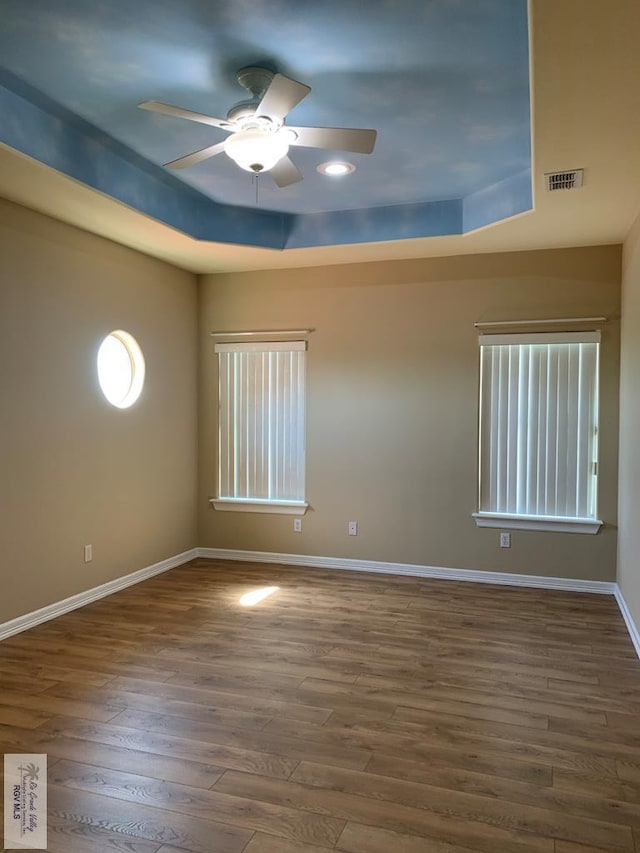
x=261, y=420
x=539, y=424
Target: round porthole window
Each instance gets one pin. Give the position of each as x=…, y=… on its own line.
x=120, y=369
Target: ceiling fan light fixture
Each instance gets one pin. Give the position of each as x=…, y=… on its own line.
x=255, y=149
x=336, y=169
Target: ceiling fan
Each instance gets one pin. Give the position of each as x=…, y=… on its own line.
x=259, y=139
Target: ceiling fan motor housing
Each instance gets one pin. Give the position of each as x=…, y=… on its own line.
x=243, y=110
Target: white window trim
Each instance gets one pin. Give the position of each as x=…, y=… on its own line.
x=519, y=338
x=242, y=505
x=556, y=524
x=254, y=504
x=263, y=346
x=513, y=521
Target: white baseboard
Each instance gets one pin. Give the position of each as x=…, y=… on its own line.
x=44, y=614
x=632, y=628
x=475, y=576
x=51, y=611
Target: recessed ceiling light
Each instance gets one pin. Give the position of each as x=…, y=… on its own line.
x=336, y=168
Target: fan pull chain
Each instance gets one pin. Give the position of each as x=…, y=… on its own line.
x=254, y=180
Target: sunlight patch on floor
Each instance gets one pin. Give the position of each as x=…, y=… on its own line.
x=258, y=595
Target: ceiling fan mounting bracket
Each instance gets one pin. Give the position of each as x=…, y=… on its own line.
x=255, y=80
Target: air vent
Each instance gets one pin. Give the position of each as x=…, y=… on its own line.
x=569, y=180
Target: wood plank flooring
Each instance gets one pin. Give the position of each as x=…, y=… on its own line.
x=350, y=712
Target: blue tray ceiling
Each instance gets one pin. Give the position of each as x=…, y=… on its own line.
x=444, y=82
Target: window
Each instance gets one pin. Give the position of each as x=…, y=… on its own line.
x=539, y=431
x=261, y=403
x=120, y=369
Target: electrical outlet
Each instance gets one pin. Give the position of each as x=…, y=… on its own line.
x=297, y=525
x=353, y=528
x=505, y=540
x=88, y=553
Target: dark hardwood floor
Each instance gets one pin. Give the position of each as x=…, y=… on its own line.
x=352, y=712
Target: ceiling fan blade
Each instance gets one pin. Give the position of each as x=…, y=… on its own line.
x=196, y=157
x=178, y=112
x=285, y=172
x=338, y=138
x=281, y=97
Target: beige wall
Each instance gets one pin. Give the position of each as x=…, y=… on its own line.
x=74, y=469
x=391, y=410
x=629, y=495
x=392, y=404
